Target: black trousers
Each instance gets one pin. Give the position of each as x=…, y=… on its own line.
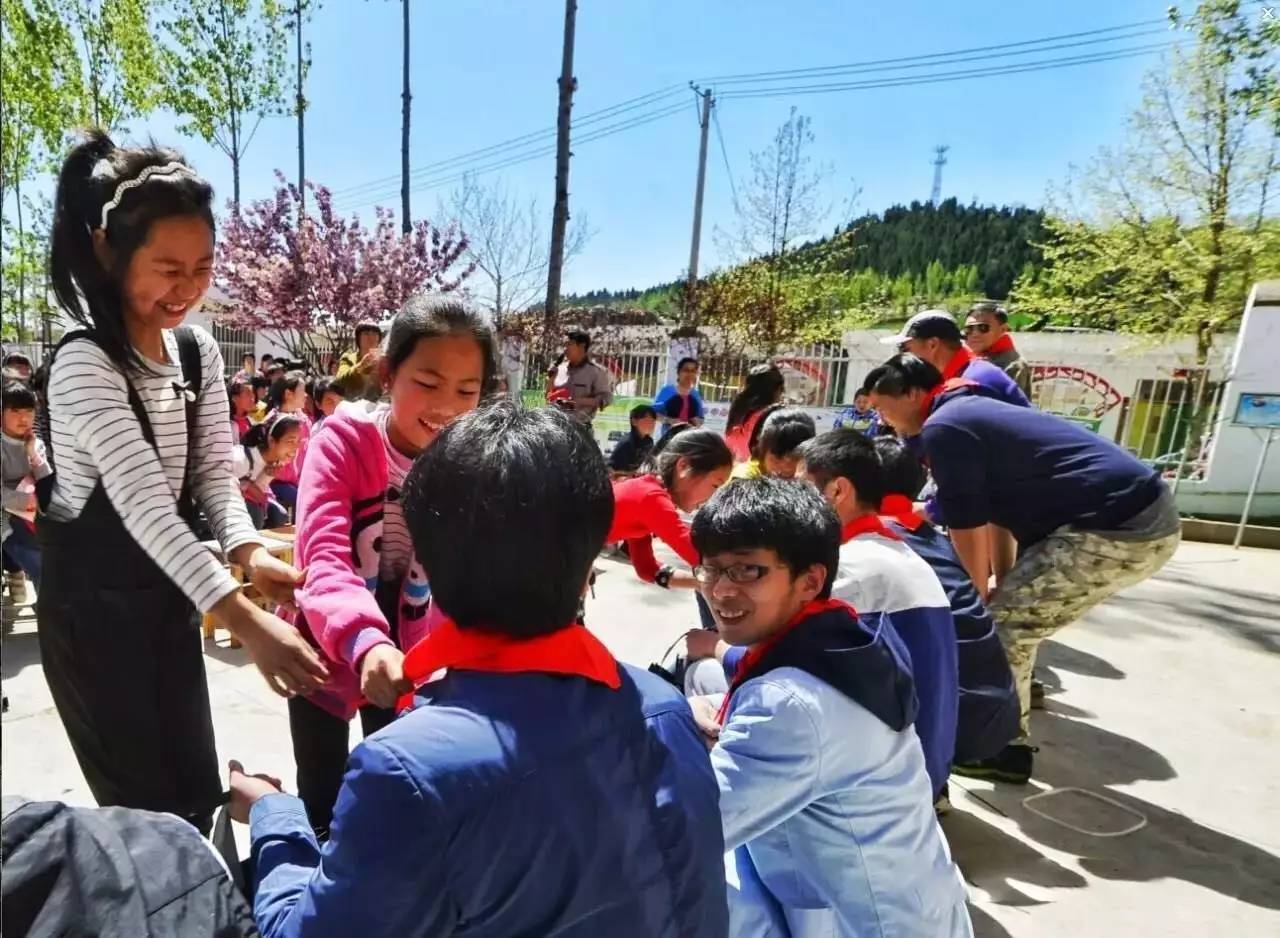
x=321, y=744
x=126, y=672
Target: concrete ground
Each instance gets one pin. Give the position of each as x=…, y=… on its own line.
x=1163, y=701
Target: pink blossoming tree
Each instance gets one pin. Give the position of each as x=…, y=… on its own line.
x=308, y=279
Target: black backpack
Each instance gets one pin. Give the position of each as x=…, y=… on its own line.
x=113, y=871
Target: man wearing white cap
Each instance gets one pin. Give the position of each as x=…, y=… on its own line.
x=934, y=337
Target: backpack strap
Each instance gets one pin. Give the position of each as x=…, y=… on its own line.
x=193, y=378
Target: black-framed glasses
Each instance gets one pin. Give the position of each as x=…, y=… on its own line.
x=739, y=573
x=983, y=327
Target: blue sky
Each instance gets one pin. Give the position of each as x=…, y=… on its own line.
x=484, y=71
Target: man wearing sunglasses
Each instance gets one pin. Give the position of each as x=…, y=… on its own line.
x=934, y=337
x=986, y=332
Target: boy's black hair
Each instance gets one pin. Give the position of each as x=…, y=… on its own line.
x=992, y=307
x=508, y=509
x=579, y=337
x=426, y=316
x=367, y=325
x=782, y=515
x=640, y=411
x=90, y=293
x=702, y=450
x=845, y=453
x=17, y=396
x=685, y=361
x=900, y=374
x=260, y=381
x=781, y=431
x=901, y=469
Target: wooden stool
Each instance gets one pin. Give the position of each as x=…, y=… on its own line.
x=279, y=543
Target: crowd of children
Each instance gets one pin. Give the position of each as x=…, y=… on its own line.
x=514, y=778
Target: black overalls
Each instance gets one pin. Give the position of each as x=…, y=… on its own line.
x=123, y=655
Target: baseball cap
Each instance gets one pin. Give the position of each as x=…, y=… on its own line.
x=930, y=324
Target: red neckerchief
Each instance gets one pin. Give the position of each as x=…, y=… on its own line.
x=867, y=524
x=1002, y=344
x=902, y=510
x=572, y=650
x=760, y=649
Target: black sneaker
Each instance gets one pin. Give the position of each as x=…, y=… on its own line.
x=1011, y=764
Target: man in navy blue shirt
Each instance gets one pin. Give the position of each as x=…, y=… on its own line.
x=1088, y=518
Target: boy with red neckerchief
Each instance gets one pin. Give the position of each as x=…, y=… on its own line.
x=824, y=796
x=878, y=573
x=536, y=786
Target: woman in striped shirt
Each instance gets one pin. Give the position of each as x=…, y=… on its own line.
x=140, y=437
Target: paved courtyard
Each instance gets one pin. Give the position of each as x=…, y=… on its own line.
x=1165, y=702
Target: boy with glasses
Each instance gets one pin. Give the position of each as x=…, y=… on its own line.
x=824, y=796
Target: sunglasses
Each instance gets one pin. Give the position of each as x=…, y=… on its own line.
x=983, y=327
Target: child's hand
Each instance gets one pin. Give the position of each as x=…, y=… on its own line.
x=700, y=643
x=272, y=577
x=247, y=789
x=706, y=714
x=382, y=679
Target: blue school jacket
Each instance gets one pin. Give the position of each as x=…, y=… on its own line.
x=509, y=804
x=988, y=712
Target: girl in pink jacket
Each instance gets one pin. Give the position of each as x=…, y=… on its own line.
x=365, y=599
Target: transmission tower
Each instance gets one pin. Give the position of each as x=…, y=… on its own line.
x=939, y=161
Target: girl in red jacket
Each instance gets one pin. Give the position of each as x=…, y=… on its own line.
x=686, y=468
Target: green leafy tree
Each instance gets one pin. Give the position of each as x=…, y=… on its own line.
x=119, y=60
x=227, y=63
x=1168, y=231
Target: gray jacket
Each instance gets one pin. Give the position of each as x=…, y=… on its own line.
x=14, y=467
x=1016, y=367
x=586, y=380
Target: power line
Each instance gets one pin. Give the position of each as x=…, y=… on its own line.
x=594, y=117
x=942, y=77
x=998, y=47
x=733, y=189
x=518, y=158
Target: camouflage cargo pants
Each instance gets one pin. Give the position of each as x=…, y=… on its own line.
x=1058, y=580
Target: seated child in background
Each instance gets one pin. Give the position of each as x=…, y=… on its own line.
x=261, y=453
x=860, y=416
x=538, y=786
x=261, y=385
x=326, y=394
x=988, y=712
x=774, y=441
x=22, y=463
x=632, y=452
x=241, y=398
x=878, y=573
x=824, y=795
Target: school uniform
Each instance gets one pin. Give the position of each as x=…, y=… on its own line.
x=125, y=575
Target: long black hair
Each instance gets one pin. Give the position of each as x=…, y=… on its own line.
x=428, y=316
x=763, y=387
x=289, y=381
x=702, y=450
x=261, y=435
x=88, y=291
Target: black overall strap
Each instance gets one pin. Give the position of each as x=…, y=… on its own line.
x=192, y=377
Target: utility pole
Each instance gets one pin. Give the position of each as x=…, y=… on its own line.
x=939, y=161
x=707, y=102
x=560, y=212
x=301, y=106
x=405, y=223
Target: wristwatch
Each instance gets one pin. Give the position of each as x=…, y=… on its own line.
x=663, y=576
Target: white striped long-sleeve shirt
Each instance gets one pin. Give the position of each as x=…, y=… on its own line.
x=96, y=435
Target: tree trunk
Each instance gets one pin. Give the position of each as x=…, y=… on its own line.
x=22, y=263
x=560, y=211
x=301, y=105
x=406, y=222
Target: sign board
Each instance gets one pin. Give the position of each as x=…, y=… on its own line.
x=1258, y=410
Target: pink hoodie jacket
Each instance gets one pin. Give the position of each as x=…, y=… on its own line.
x=340, y=501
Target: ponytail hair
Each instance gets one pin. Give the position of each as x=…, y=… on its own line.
x=289, y=381
x=277, y=425
x=702, y=450
x=89, y=290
